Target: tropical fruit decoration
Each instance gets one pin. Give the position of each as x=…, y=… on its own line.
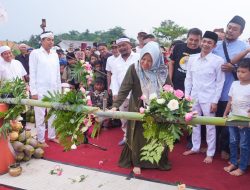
x=24, y=145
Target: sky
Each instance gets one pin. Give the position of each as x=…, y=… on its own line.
x=24, y=16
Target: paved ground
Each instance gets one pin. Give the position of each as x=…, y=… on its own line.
x=36, y=176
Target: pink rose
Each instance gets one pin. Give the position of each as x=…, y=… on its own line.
x=168, y=88
x=85, y=121
x=89, y=82
x=89, y=102
x=188, y=98
x=142, y=110
x=82, y=90
x=87, y=66
x=100, y=162
x=143, y=97
x=178, y=93
x=189, y=116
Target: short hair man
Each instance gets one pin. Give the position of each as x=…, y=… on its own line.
x=234, y=46
x=23, y=57
x=204, y=82
x=110, y=62
x=180, y=55
x=44, y=76
x=104, y=54
x=140, y=37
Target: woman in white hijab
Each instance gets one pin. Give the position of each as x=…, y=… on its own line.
x=143, y=78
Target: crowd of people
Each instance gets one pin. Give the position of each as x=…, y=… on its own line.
x=214, y=69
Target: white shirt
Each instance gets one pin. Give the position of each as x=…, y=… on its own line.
x=111, y=68
x=138, y=49
x=120, y=69
x=11, y=70
x=204, y=79
x=44, y=72
x=240, y=98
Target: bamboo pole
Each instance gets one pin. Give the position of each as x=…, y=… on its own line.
x=219, y=121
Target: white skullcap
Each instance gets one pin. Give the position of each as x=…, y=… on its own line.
x=47, y=35
x=4, y=48
x=124, y=39
x=20, y=45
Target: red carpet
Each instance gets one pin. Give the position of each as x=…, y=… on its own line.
x=189, y=170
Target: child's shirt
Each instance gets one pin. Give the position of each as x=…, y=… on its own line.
x=240, y=98
x=97, y=99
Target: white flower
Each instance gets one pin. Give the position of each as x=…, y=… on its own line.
x=19, y=118
x=66, y=90
x=160, y=101
x=152, y=96
x=88, y=98
x=173, y=105
x=73, y=147
x=84, y=129
x=147, y=108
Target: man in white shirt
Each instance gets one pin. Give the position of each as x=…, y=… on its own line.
x=120, y=66
x=9, y=67
x=110, y=64
x=204, y=83
x=44, y=76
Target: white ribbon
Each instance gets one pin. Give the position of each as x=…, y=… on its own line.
x=47, y=35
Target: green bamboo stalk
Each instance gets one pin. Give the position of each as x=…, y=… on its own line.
x=219, y=121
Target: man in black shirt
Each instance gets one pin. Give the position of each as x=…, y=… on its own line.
x=23, y=57
x=180, y=55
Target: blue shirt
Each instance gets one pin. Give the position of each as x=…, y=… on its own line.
x=233, y=48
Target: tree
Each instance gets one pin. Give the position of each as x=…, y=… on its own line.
x=34, y=41
x=169, y=31
x=97, y=36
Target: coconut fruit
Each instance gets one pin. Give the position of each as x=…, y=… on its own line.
x=18, y=146
x=22, y=136
x=16, y=125
x=26, y=157
x=13, y=135
x=27, y=134
x=19, y=156
x=28, y=150
x=39, y=152
x=32, y=142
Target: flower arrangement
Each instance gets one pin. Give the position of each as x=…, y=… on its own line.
x=83, y=73
x=72, y=126
x=161, y=115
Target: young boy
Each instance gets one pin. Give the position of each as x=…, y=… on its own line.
x=98, y=97
x=99, y=94
x=239, y=104
x=67, y=76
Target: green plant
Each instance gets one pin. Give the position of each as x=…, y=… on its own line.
x=160, y=127
x=71, y=125
x=12, y=89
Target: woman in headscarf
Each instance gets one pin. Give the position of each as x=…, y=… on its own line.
x=143, y=78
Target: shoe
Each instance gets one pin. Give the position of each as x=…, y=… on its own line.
x=122, y=142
